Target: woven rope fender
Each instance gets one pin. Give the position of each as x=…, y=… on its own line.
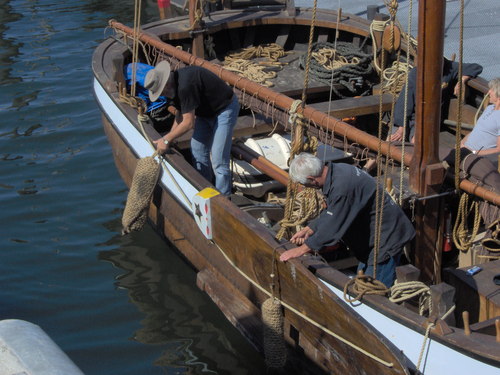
x=144, y=181
x=274, y=343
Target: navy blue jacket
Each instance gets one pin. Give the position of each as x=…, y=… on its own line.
x=350, y=216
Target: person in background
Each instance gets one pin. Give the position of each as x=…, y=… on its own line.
x=449, y=86
x=350, y=216
x=207, y=104
x=484, y=139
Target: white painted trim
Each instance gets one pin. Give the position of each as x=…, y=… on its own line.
x=438, y=359
x=142, y=147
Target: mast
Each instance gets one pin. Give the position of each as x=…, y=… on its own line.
x=427, y=173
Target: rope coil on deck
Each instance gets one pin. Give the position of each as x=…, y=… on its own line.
x=364, y=284
x=401, y=292
x=240, y=62
x=350, y=69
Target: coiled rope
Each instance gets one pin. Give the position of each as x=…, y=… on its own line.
x=342, y=64
x=239, y=62
x=307, y=205
x=364, y=285
x=401, y=292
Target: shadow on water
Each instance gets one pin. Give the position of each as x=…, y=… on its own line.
x=194, y=335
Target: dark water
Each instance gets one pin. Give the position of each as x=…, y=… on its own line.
x=115, y=305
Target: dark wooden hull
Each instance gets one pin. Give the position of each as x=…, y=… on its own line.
x=322, y=332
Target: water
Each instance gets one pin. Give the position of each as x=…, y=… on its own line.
x=115, y=305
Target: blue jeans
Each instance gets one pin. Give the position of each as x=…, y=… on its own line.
x=386, y=270
x=214, y=136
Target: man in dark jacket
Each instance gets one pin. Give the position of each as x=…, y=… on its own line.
x=350, y=216
x=449, y=87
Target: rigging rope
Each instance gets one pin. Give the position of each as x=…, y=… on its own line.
x=135, y=45
x=296, y=119
x=405, y=110
x=458, y=132
x=308, y=204
x=461, y=237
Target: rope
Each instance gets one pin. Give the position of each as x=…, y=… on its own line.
x=341, y=64
x=135, y=45
x=308, y=57
x=401, y=292
x=461, y=237
x=271, y=51
x=480, y=109
x=430, y=326
x=426, y=336
x=307, y=205
x=405, y=111
x=458, y=132
x=379, y=192
x=364, y=284
x=198, y=15
x=395, y=77
x=239, y=62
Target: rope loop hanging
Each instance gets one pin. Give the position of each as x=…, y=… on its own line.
x=297, y=146
x=462, y=239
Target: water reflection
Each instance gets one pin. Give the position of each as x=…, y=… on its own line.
x=193, y=333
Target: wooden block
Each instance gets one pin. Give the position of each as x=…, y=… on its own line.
x=408, y=272
x=443, y=299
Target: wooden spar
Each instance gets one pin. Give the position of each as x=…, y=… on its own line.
x=428, y=101
x=426, y=171
x=194, y=23
x=243, y=152
x=328, y=123
x=478, y=191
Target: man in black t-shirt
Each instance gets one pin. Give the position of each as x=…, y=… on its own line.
x=350, y=216
x=207, y=104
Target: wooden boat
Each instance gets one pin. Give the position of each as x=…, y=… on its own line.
x=232, y=242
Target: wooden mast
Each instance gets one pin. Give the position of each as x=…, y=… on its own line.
x=426, y=170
